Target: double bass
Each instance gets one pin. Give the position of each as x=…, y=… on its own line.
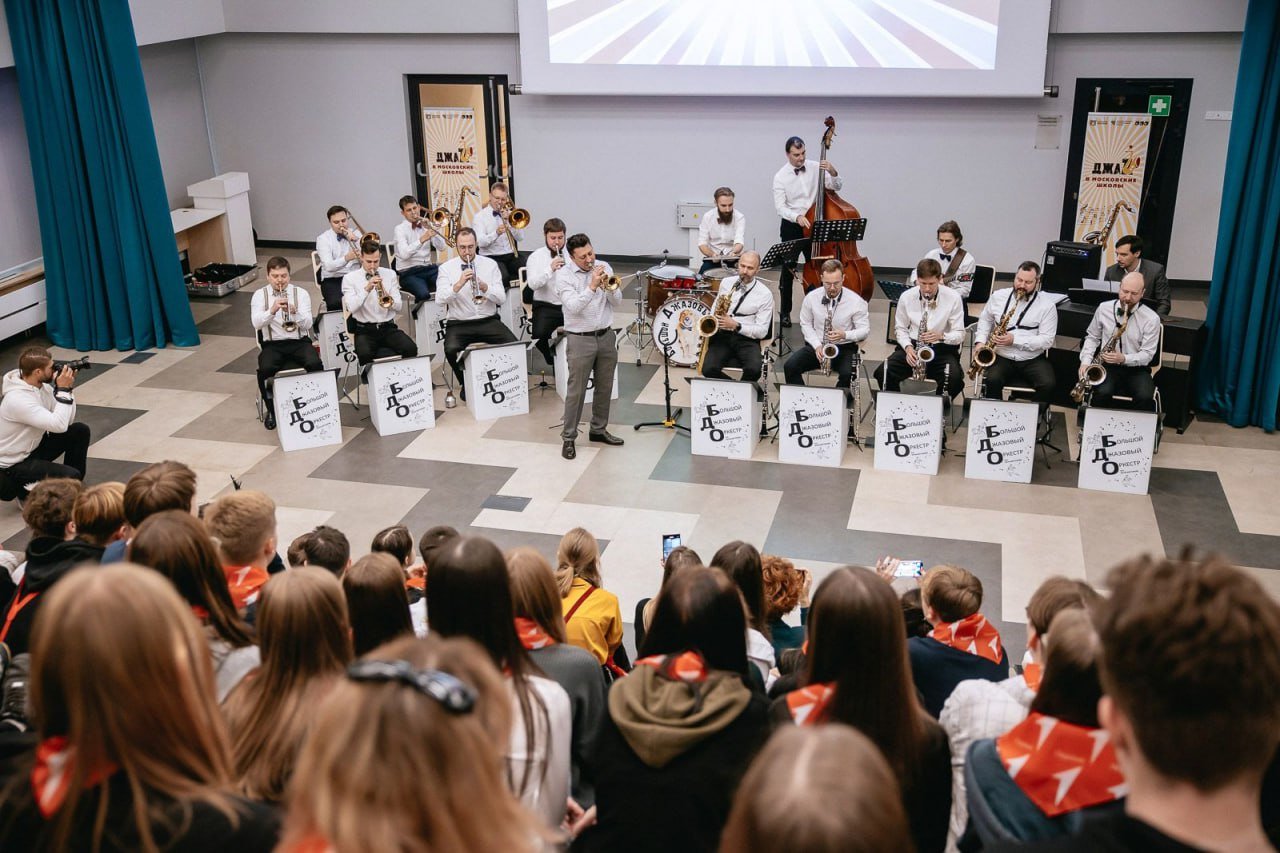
x=828, y=205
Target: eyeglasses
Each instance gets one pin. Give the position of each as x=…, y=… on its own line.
x=452, y=693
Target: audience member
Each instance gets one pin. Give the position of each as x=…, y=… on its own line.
x=54, y=550
x=403, y=757
x=980, y=709
x=469, y=595
x=592, y=616
x=1040, y=778
x=376, y=602
x=243, y=525
x=682, y=728
x=680, y=557
x=741, y=562
x=161, y=486
x=540, y=625
x=913, y=613
x=398, y=542
x=305, y=638
x=817, y=790
x=962, y=644
x=99, y=514
x=178, y=546
x=327, y=548
x=132, y=752
x=785, y=587
x=1190, y=673
x=297, y=553
x=857, y=673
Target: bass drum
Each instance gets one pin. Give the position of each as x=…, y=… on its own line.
x=675, y=329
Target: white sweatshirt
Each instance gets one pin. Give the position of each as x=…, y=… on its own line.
x=27, y=412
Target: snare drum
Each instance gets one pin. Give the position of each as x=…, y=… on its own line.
x=663, y=280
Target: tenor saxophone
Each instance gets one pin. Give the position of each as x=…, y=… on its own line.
x=985, y=355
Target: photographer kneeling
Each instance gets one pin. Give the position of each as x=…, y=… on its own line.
x=37, y=424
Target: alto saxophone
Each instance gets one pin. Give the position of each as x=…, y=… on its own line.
x=828, y=351
x=924, y=352
x=985, y=355
x=1096, y=373
x=709, y=325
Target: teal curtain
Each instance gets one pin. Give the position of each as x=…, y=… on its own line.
x=1239, y=375
x=111, y=267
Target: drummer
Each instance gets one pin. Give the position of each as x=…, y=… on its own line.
x=721, y=232
x=746, y=321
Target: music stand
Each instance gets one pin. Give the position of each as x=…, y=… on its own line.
x=837, y=230
x=785, y=252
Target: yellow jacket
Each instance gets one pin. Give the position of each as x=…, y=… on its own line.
x=597, y=623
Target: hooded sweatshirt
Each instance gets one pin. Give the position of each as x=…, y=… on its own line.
x=27, y=412
x=49, y=559
x=676, y=750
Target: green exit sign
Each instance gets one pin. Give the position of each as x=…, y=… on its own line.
x=1158, y=105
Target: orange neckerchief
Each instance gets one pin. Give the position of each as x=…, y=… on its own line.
x=686, y=666
x=972, y=634
x=1032, y=673
x=314, y=843
x=244, y=583
x=51, y=777
x=531, y=634
x=811, y=705
x=1061, y=767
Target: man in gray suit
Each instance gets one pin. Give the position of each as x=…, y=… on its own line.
x=1129, y=259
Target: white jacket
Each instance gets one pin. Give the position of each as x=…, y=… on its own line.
x=26, y=414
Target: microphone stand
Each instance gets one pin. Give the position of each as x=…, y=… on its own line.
x=672, y=418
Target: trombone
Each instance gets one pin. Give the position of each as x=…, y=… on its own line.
x=517, y=217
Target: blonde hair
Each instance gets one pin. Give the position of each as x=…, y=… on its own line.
x=577, y=557
x=241, y=523
x=99, y=513
x=305, y=641
x=951, y=592
x=122, y=669
x=533, y=591
x=386, y=767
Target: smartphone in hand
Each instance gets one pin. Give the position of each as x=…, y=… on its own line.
x=670, y=542
x=909, y=569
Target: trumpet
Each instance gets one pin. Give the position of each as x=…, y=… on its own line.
x=518, y=217
x=384, y=299
x=287, y=322
x=610, y=282
x=477, y=295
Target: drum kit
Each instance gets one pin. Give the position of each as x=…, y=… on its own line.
x=669, y=307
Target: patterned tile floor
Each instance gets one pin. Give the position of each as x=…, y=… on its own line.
x=505, y=479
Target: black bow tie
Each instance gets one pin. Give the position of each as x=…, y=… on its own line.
x=827, y=300
x=496, y=213
x=799, y=170
x=945, y=257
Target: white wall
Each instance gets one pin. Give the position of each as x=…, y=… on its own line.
x=281, y=108
x=19, y=230
x=177, y=111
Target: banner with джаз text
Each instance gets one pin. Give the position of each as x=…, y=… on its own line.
x=454, y=167
x=1111, y=178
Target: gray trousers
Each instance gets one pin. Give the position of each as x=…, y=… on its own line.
x=589, y=355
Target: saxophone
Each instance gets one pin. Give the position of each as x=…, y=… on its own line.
x=1101, y=237
x=1096, y=373
x=985, y=355
x=828, y=351
x=709, y=325
x=924, y=352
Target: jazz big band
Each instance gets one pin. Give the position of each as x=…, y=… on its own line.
x=571, y=290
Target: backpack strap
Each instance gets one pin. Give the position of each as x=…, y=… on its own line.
x=15, y=607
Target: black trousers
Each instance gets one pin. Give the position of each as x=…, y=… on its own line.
x=510, y=265
x=276, y=356
x=895, y=369
x=804, y=359
x=379, y=340
x=1134, y=382
x=460, y=334
x=72, y=445
x=788, y=231
x=420, y=281
x=331, y=290
x=546, y=319
x=1036, y=372
x=730, y=349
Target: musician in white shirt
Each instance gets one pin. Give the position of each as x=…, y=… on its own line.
x=339, y=251
x=372, y=323
x=470, y=287
x=850, y=324
x=415, y=239
x=748, y=321
x=1128, y=364
x=795, y=188
x=721, y=232
x=281, y=317
x=592, y=348
x=1022, y=351
x=495, y=237
x=943, y=333
x=957, y=264
x=540, y=279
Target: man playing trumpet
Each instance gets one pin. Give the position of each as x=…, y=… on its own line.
x=495, y=236
x=748, y=321
x=371, y=295
x=1127, y=362
x=928, y=316
x=830, y=316
x=470, y=288
x=281, y=317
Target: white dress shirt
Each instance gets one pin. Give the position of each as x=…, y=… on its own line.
x=585, y=310
x=794, y=194
x=717, y=236
x=490, y=242
x=410, y=250
x=462, y=305
x=960, y=279
x=272, y=325
x=752, y=306
x=946, y=316
x=1034, y=325
x=364, y=305
x=850, y=316
x=1139, y=341
x=540, y=278
x=332, y=250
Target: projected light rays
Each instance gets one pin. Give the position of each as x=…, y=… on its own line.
x=929, y=34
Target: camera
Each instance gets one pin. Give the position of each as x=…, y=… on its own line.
x=76, y=366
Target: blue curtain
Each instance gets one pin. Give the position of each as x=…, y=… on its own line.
x=111, y=268
x=1239, y=375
